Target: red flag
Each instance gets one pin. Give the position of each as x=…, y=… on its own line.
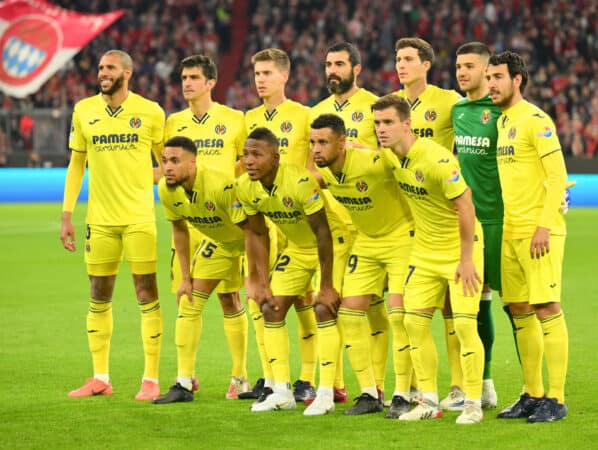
x=38, y=38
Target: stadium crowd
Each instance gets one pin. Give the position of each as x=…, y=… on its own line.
x=556, y=38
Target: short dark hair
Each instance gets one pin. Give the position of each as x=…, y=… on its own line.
x=424, y=49
x=205, y=63
x=477, y=48
x=354, y=56
x=184, y=142
x=400, y=105
x=515, y=65
x=332, y=121
x=264, y=134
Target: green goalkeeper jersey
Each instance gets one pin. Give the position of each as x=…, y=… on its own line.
x=476, y=134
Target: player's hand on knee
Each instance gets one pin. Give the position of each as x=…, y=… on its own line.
x=185, y=289
x=329, y=298
x=470, y=279
x=540, y=244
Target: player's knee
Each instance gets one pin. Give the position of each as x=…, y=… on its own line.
x=230, y=302
x=323, y=314
x=520, y=308
x=146, y=287
x=271, y=314
x=544, y=310
x=102, y=287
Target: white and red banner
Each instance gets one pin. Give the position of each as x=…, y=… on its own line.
x=38, y=38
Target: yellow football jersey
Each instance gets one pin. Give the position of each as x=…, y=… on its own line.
x=118, y=146
x=295, y=194
x=289, y=121
x=525, y=135
x=211, y=207
x=219, y=135
x=431, y=114
x=430, y=178
x=367, y=189
x=356, y=112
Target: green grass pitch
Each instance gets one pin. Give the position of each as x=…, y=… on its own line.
x=43, y=355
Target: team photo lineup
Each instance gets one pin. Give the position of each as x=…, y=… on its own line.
x=363, y=213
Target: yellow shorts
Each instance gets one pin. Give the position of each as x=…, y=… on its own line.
x=105, y=246
x=371, y=259
x=295, y=268
x=431, y=273
x=195, y=238
x=210, y=262
x=527, y=280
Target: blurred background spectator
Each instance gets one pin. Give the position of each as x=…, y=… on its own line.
x=556, y=37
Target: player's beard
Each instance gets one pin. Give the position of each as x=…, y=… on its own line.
x=116, y=85
x=342, y=85
x=506, y=99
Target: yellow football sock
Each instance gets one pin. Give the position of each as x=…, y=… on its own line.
x=276, y=341
x=379, y=339
x=308, y=345
x=99, y=332
x=400, y=351
x=235, y=330
x=471, y=354
x=531, y=349
x=188, y=331
x=355, y=333
x=258, y=325
x=453, y=351
x=556, y=352
x=423, y=350
x=151, y=334
x=329, y=342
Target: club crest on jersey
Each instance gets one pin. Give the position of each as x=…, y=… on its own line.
x=135, y=122
x=28, y=45
x=485, y=116
x=210, y=206
x=455, y=175
x=314, y=196
x=546, y=132
x=512, y=133
x=286, y=127
x=361, y=186
x=357, y=116
x=430, y=115
x=220, y=129
x=419, y=176
x=288, y=202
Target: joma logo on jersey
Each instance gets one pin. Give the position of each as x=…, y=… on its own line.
x=423, y=132
x=361, y=186
x=135, y=122
x=357, y=116
x=485, y=116
x=412, y=189
x=512, y=133
x=505, y=150
x=430, y=115
x=288, y=202
x=115, y=138
x=203, y=220
x=352, y=132
x=286, y=127
x=209, y=143
x=210, y=206
x=220, y=129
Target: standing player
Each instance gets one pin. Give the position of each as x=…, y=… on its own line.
x=353, y=105
x=533, y=177
x=290, y=197
x=447, y=254
x=289, y=121
x=218, y=132
x=430, y=118
x=196, y=195
x=363, y=182
x=115, y=132
x=474, y=122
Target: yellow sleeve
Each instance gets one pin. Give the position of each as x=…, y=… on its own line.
x=556, y=182
x=74, y=179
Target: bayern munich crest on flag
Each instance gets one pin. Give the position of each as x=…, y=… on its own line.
x=28, y=45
